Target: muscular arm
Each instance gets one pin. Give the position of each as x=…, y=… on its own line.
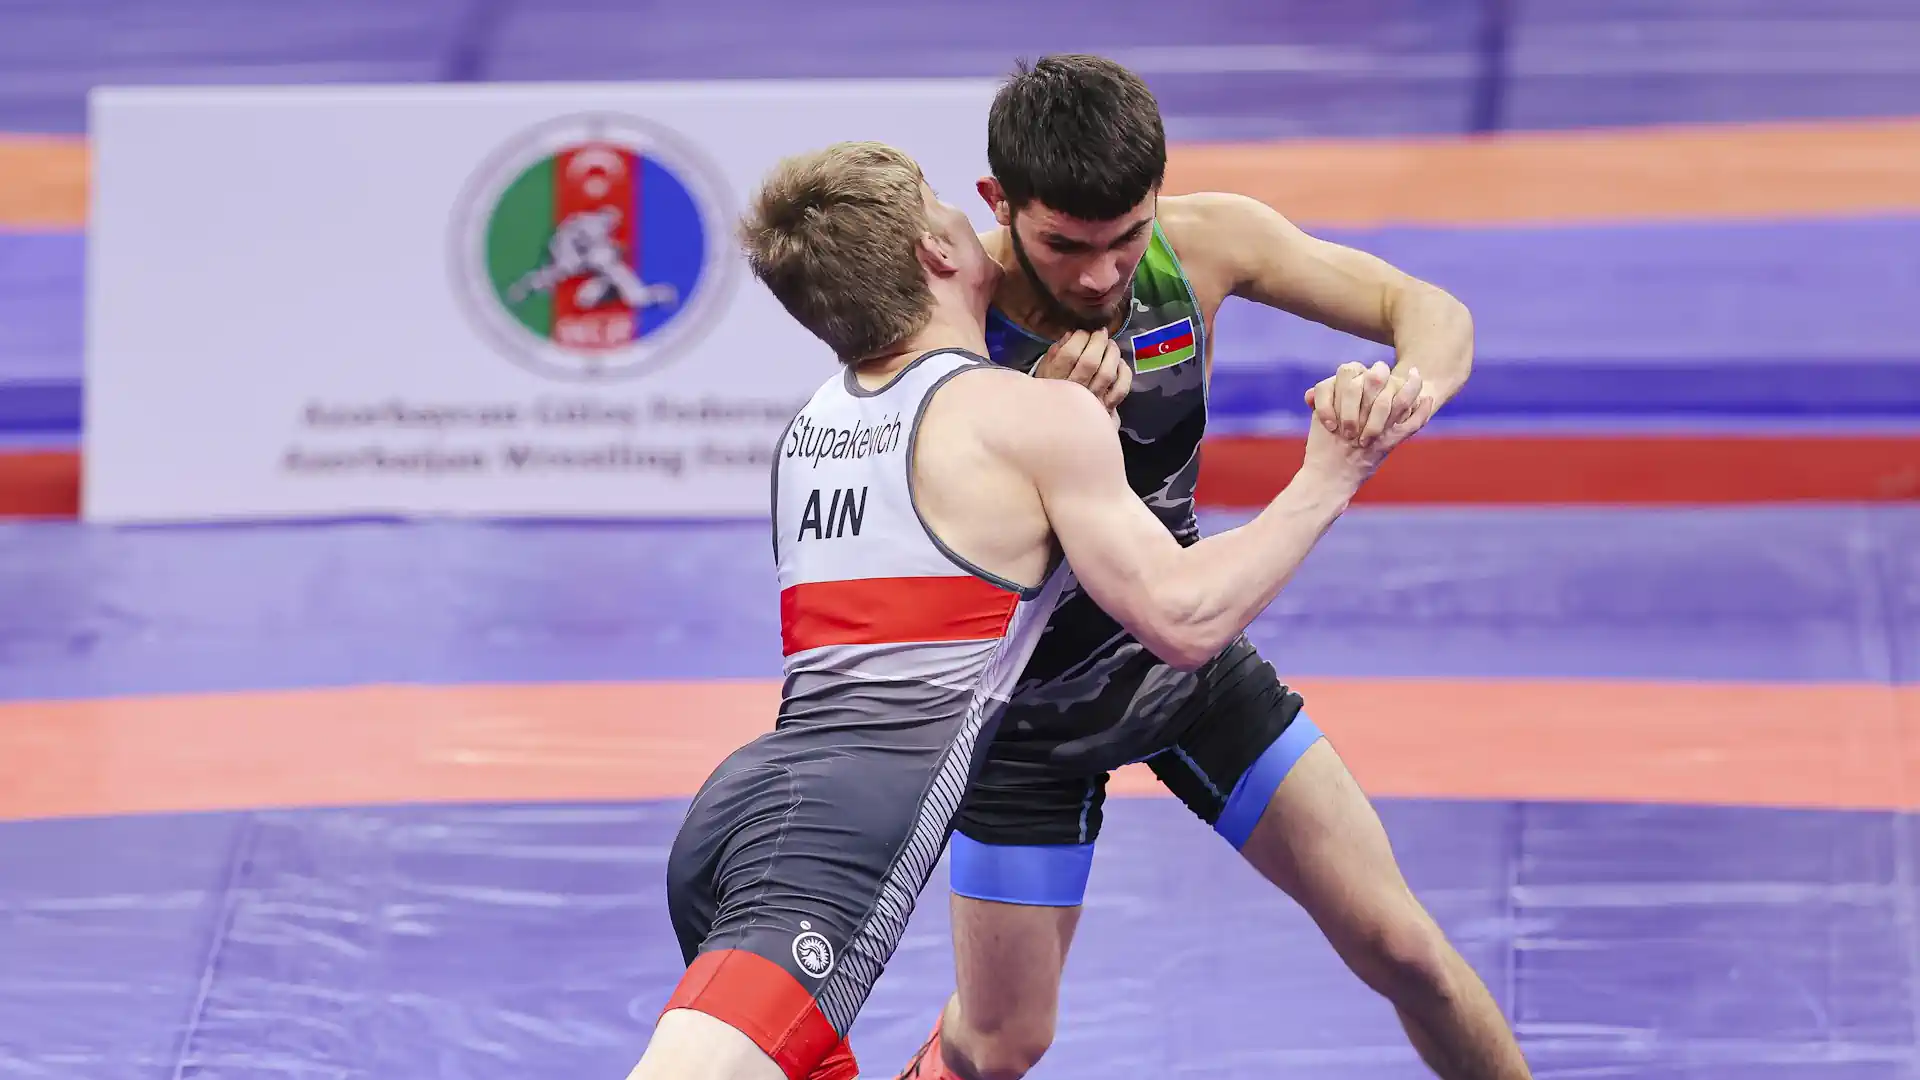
x=1271, y=261
x=1185, y=604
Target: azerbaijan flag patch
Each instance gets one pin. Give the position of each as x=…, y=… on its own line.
x=1164, y=346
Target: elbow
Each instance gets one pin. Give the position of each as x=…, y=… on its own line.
x=1171, y=608
x=1465, y=319
x=1461, y=319
x=1437, y=326
x=1186, y=655
x=1184, y=636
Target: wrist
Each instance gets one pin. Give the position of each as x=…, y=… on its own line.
x=1328, y=487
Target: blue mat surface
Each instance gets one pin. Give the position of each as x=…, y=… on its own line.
x=1794, y=594
x=501, y=941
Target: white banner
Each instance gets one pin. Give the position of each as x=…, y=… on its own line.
x=487, y=300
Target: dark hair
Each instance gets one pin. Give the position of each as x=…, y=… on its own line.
x=1081, y=134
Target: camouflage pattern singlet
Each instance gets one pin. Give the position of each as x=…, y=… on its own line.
x=1090, y=682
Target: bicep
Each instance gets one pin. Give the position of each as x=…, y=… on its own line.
x=1120, y=553
x=1280, y=265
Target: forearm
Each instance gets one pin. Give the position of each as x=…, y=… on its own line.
x=1221, y=584
x=1433, y=331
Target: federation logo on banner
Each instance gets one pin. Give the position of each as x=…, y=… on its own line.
x=593, y=248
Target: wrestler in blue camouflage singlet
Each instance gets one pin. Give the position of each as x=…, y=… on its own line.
x=1085, y=664
x=1092, y=698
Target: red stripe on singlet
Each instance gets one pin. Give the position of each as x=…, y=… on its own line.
x=886, y=611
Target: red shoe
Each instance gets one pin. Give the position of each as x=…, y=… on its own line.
x=927, y=1064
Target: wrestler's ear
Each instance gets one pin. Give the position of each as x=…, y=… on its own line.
x=937, y=255
x=995, y=197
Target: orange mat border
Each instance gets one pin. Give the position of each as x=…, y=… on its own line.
x=1673, y=172
x=43, y=183
x=1792, y=745
x=1679, y=172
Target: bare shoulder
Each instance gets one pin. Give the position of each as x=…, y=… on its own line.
x=1211, y=214
x=1010, y=395
x=1018, y=414
x=1212, y=232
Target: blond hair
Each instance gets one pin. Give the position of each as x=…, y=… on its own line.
x=834, y=235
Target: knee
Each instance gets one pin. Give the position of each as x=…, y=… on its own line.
x=1005, y=1052
x=1404, y=957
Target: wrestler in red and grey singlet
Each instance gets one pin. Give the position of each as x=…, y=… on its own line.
x=801, y=857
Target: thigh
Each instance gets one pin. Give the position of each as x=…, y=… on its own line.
x=1020, y=797
x=1321, y=842
x=1022, y=852
x=1026, y=834
x=689, y=1045
x=791, y=896
x=1248, y=732
x=1026, y=831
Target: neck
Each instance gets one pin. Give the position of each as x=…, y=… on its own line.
x=946, y=330
x=1020, y=300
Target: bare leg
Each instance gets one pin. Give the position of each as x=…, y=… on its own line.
x=1008, y=959
x=690, y=1045
x=1322, y=843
